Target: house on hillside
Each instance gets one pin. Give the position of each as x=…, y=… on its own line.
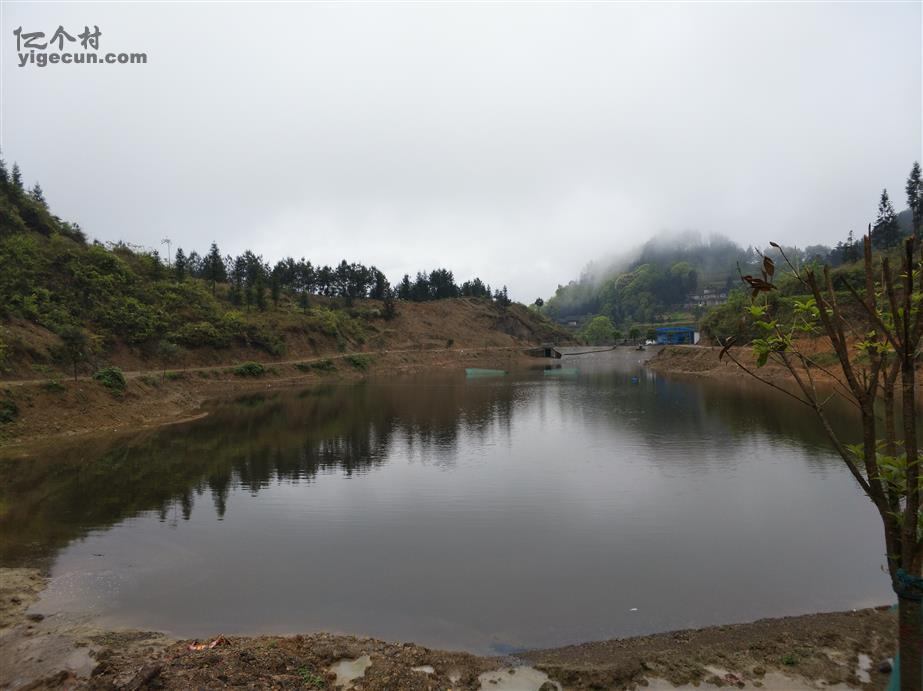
x=709, y=297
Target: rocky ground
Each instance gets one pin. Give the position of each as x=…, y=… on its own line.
x=819, y=651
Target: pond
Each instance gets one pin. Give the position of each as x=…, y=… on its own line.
x=489, y=514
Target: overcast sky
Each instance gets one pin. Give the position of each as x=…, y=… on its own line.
x=512, y=141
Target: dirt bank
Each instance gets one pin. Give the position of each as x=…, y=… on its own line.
x=67, y=408
x=40, y=398
x=703, y=361
x=66, y=651
x=32, y=351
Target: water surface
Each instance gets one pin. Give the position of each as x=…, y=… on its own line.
x=490, y=514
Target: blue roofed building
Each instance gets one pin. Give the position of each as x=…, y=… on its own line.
x=672, y=335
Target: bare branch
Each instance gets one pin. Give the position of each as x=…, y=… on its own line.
x=766, y=381
x=873, y=313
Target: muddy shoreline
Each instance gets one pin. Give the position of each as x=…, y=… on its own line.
x=66, y=651
x=703, y=361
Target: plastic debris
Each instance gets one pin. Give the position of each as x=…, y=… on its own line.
x=221, y=640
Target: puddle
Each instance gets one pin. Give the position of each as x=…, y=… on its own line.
x=426, y=669
x=515, y=679
x=773, y=681
x=863, y=668
x=348, y=670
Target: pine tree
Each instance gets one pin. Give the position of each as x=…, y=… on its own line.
x=156, y=266
x=390, y=307
x=4, y=175
x=214, y=267
x=37, y=195
x=885, y=232
x=16, y=179
x=914, y=191
x=501, y=297
x=260, y=289
x=180, y=265
x=405, y=288
x=852, y=249
x=76, y=346
x=275, y=289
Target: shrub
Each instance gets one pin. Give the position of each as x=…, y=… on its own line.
x=250, y=369
x=53, y=386
x=131, y=319
x=200, y=334
x=112, y=378
x=359, y=362
x=9, y=411
x=319, y=366
x=265, y=338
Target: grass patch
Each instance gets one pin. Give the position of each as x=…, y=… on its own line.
x=112, y=378
x=359, y=362
x=173, y=376
x=250, y=369
x=825, y=359
x=318, y=366
x=9, y=411
x=54, y=386
x=311, y=678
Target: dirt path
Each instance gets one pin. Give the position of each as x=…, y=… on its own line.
x=134, y=374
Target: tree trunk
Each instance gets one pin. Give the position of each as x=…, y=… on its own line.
x=910, y=624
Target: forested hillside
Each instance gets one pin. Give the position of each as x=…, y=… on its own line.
x=69, y=301
x=683, y=278
x=656, y=281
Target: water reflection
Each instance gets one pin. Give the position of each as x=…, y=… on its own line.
x=248, y=444
x=514, y=512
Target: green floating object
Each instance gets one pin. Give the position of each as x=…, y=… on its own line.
x=478, y=372
x=562, y=372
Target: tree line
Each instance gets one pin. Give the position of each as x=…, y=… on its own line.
x=251, y=280
x=889, y=228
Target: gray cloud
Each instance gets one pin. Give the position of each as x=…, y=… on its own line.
x=513, y=141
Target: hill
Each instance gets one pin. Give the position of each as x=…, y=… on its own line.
x=662, y=281
x=683, y=278
x=73, y=307
x=97, y=336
